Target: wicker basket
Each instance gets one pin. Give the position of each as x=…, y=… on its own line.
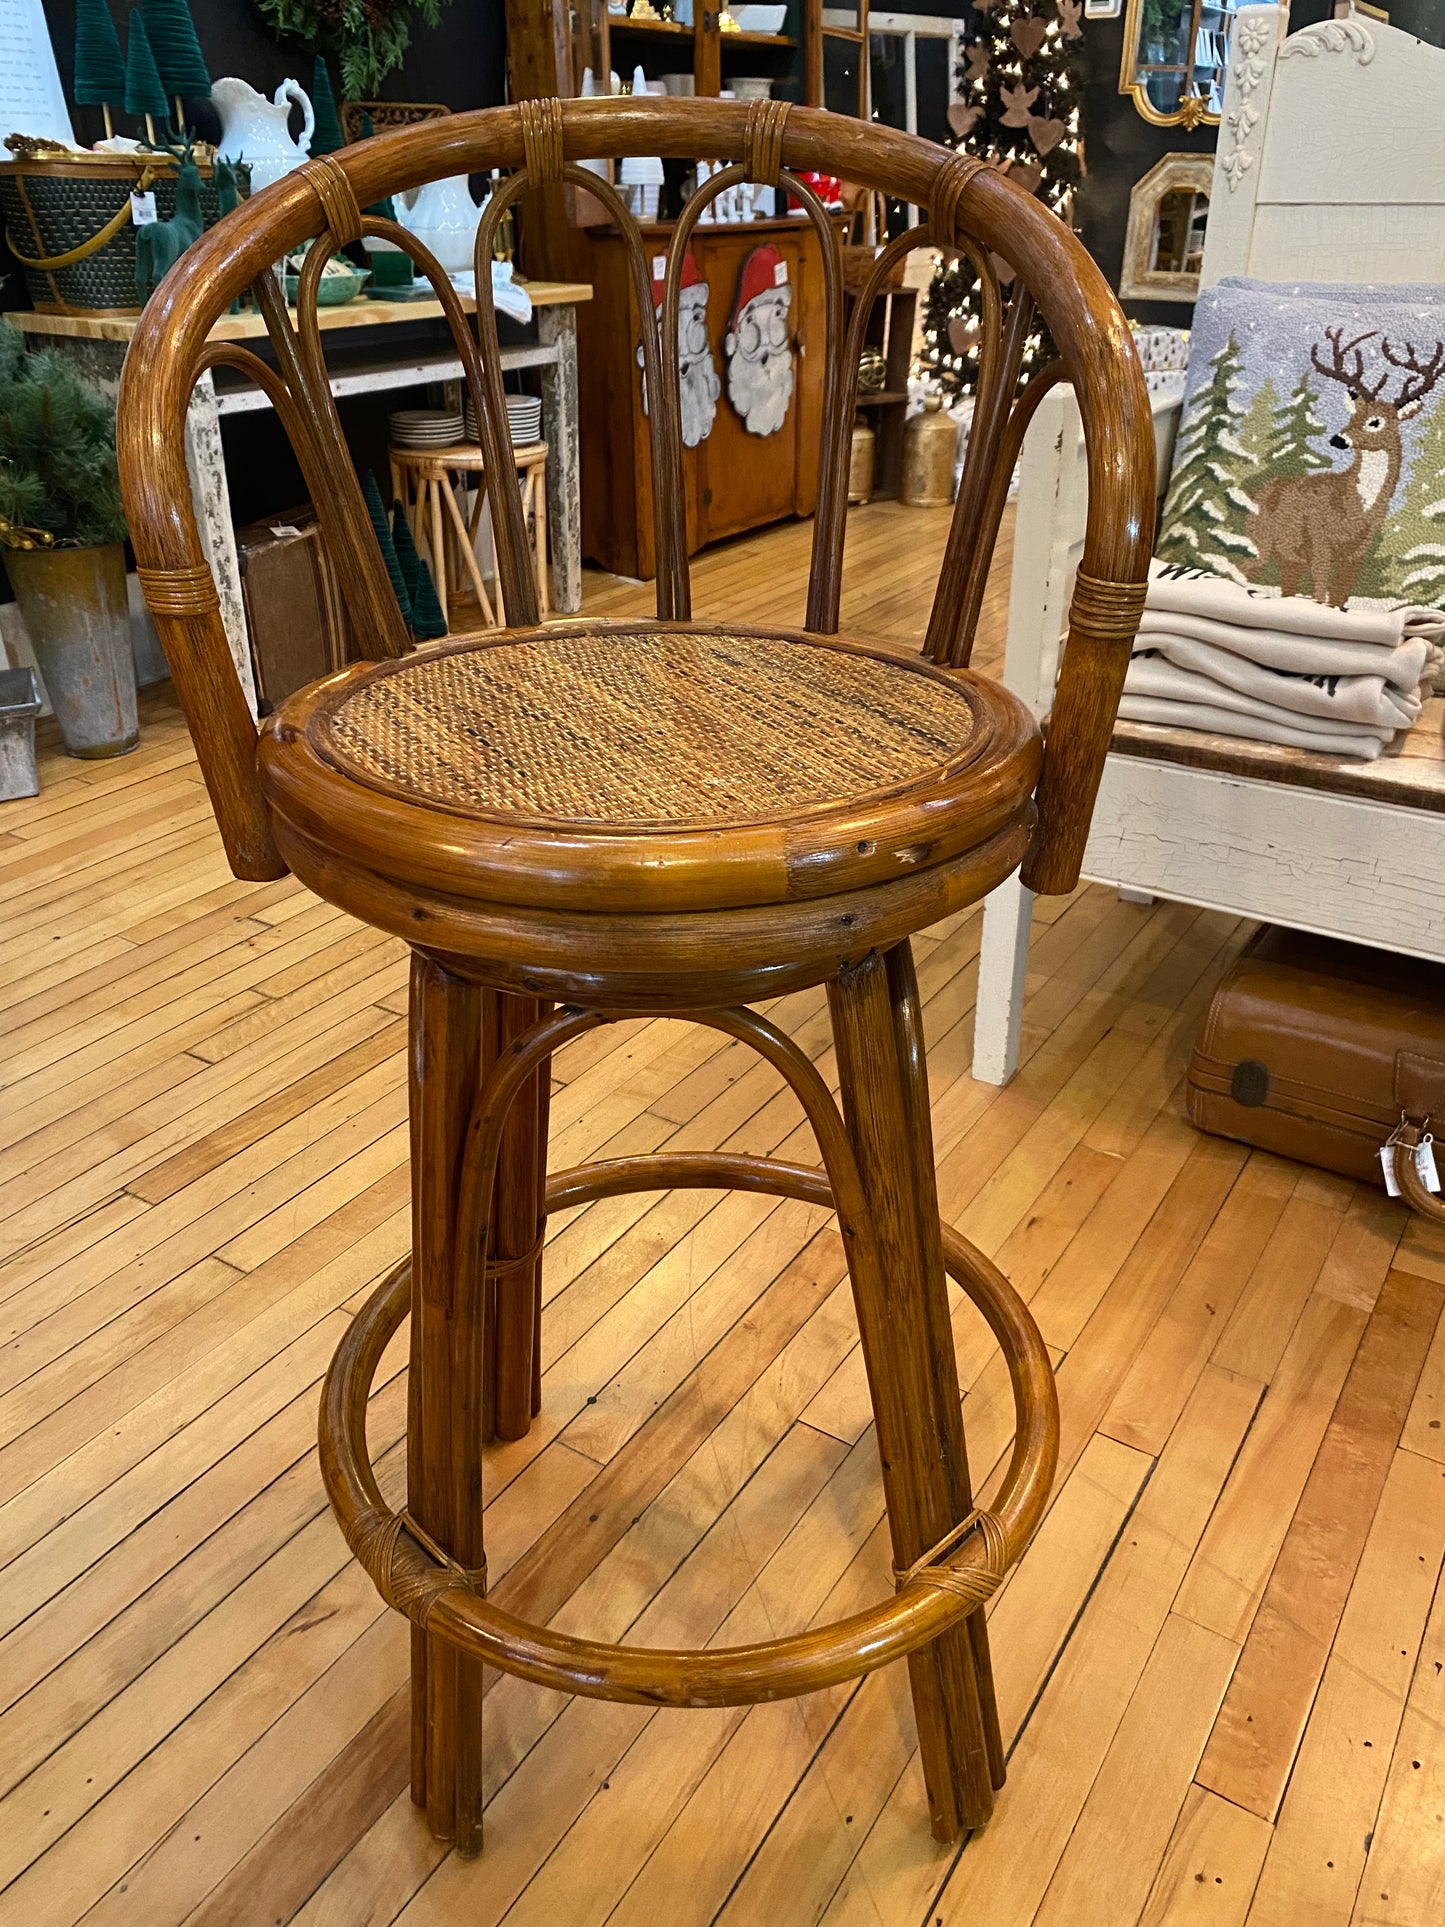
x=54, y=206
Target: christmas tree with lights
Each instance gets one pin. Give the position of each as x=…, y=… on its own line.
x=1021, y=88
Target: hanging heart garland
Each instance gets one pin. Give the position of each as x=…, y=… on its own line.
x=1017, y=102
x=1025, y=174
x=1046, y=134
x=1028, y=36
x=962, y=119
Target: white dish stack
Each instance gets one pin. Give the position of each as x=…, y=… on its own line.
x=426, y=427
x=524, y=417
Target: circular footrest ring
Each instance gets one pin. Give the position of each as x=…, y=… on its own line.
x=948, y=1585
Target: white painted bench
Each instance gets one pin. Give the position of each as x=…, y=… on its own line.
x=1330, y=167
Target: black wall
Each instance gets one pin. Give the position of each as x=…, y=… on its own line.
x=1120, y=146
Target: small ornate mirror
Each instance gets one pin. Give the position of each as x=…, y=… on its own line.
x=1175, y=52
x=1164, y=244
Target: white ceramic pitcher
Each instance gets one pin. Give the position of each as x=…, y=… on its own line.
x=258, y=130
x=443, y=217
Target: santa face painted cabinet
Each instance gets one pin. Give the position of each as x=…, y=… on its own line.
x=752, y=353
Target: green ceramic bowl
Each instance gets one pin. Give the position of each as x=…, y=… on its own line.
x=333, y=289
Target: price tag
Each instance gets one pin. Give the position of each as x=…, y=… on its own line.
x=1424, y=1164
x=143, y=209
x=780, y=274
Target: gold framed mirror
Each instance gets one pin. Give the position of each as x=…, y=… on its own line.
x=1164, y=245
x=1174, y=59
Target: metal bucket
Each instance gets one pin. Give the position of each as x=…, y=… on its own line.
x=75, y=609
x=19, y=706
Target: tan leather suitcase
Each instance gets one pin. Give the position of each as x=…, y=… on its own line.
x=1325, y=1052
x=294, y=616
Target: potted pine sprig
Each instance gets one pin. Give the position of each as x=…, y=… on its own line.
x=63, y=531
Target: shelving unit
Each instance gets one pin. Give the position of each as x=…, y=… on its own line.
x=890, y=329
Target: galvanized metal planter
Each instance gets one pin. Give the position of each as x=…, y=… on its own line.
x=19, y=706
x=75, y=609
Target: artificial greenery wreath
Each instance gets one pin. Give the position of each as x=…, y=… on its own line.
x=368, y=37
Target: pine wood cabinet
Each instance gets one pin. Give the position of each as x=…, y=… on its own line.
x=733, y=479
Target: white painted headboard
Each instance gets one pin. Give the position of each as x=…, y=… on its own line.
x=1331, y=157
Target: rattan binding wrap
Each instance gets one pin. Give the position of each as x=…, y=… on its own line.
x=338, y=200
x=645, y=727
x=948, y=185
x=407, y=1581
x=542, y=144
x=973, y=1583
x=179, y=592
x=1109, y=610
x=763, y=140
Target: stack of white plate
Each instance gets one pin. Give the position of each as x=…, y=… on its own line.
x=426, y=428
x=524, y=414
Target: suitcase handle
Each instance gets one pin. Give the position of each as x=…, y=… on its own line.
x=1412, y=1185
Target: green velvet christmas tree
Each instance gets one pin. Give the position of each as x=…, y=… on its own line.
x=326, y=136
x=428, y=624
x=99, y=62
x=406, y=553
x=376, y=509
x=383, y=210
x=179, y=61
x=144, y=90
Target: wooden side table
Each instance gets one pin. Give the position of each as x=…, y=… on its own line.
x=365, y=357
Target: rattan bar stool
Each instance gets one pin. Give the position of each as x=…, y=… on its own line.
x=430, y=485
x=594, y=820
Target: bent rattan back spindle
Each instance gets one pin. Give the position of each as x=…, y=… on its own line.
x=972, y=210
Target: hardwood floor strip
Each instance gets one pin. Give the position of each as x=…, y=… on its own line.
x=1317, y=1859
x=1404, y=1877
x=1119, y=1842
x=1252, y=1749
x=1004, y=1872
x=1213, y=1861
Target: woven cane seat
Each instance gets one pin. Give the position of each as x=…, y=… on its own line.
x=535, y=763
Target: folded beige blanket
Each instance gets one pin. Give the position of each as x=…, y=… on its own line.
x=1295, y=734
x=1195, y=592
x=1198, y=672
x=1404, y=665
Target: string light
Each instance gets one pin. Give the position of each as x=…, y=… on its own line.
x=1039, y=93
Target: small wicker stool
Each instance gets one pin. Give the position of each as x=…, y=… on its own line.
x=427, y=483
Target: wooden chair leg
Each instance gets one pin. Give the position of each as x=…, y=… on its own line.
x=514, y=1258
x=444, y=1440
x=912, y=1372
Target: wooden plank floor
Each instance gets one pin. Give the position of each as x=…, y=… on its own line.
x=1221, y=1666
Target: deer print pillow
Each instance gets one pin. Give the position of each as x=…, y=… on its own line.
x=1310, y=458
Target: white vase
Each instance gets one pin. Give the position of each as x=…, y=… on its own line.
x=258, y=131
x=443, y=217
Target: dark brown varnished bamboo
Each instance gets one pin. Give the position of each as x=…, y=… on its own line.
x=533, y=922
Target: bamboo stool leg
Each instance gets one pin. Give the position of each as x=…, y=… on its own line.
x=444, y=1440
x=438, y=542
x=537, y=481
x=466, y=557
x=912, y=1373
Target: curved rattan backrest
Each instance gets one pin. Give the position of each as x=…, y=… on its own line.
x=971, y=208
